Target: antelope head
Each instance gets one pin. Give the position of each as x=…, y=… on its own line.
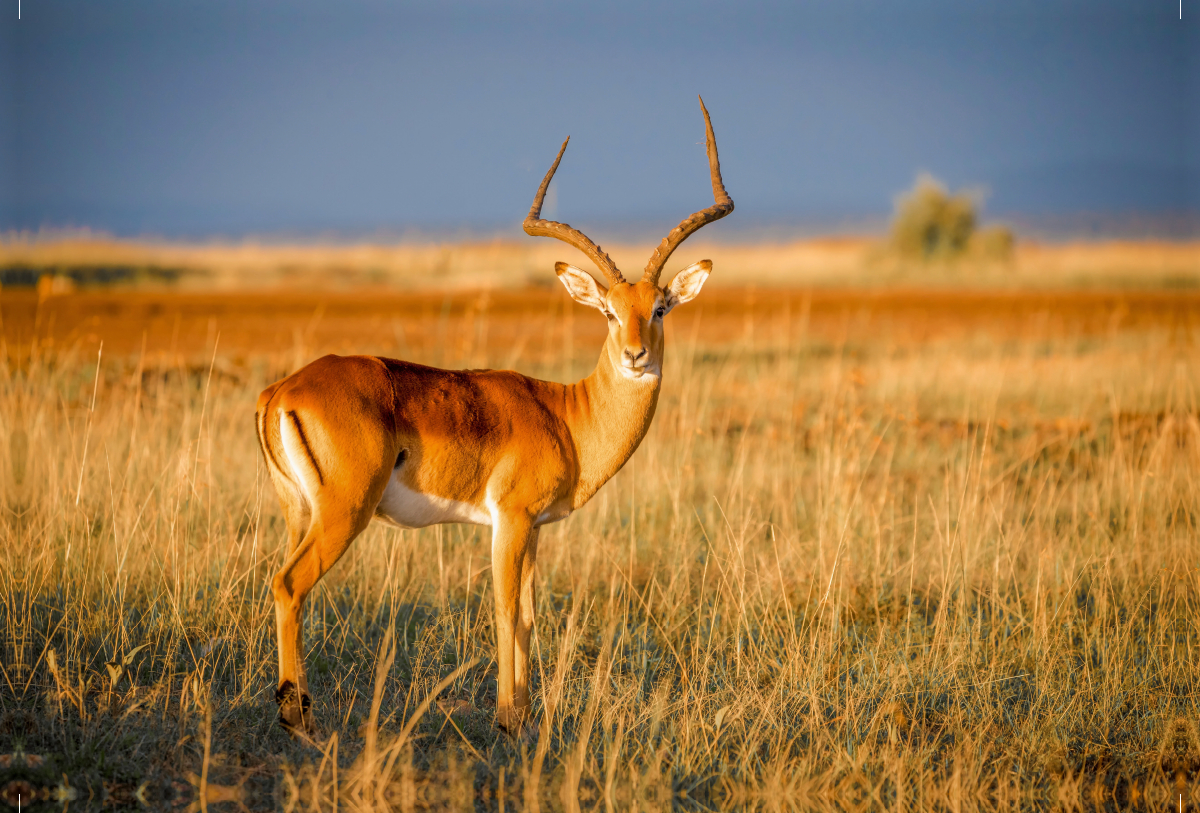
x=634, y=310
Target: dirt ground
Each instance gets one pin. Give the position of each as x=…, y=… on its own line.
x=500, y=324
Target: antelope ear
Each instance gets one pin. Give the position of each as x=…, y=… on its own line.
x=687, y=283
x=581, y=285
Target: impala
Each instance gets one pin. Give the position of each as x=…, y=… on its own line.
x=356, y=438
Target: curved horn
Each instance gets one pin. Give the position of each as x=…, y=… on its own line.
x=536, y=227
x=722, y=207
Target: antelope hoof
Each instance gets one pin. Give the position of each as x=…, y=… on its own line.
x=516, y=723
x=295, y=709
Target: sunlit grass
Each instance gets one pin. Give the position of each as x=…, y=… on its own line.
x=515, y=264
x=880, y=572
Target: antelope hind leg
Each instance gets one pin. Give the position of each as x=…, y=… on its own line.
x=317, y=553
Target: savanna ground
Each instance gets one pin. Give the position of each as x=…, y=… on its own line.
x=913, y=548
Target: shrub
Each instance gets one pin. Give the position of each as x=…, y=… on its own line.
x=930, y=223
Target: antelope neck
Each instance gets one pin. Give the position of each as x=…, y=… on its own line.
x=607, y=415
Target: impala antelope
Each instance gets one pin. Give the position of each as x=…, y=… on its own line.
x=355, y=438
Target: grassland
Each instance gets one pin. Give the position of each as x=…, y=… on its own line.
x=923, y=550
x=516, y=265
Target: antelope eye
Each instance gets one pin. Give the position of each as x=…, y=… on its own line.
x=660, y=313
x=609, y=316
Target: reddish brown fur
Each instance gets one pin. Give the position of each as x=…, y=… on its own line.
x=489, y=447
x=524, y=451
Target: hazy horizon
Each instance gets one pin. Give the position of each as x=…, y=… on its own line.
x=192, y=120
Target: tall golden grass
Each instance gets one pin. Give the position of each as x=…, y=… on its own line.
x=873, y=572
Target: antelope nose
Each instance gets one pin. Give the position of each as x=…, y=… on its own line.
x=632, y=354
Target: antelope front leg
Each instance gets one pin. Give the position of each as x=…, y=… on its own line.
x=525, y=624
x=513, y=539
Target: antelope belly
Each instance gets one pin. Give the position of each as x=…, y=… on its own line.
x=557, y=511
x=402, y=506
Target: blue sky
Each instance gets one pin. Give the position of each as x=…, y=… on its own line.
x=194, y=119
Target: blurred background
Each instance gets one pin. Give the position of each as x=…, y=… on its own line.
x=400, y=144
x=372, y=119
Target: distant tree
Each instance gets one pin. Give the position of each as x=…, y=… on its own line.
x=931, y=224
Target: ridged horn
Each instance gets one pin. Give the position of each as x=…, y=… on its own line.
x=722, y=207
x=536, y=227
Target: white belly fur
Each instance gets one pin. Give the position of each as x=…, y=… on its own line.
x=402, y=506
x=554, y=513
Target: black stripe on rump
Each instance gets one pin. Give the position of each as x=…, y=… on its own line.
x=259, y=423
x=307, y=448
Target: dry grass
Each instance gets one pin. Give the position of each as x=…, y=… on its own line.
x=855, y=564
x=515, y=265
